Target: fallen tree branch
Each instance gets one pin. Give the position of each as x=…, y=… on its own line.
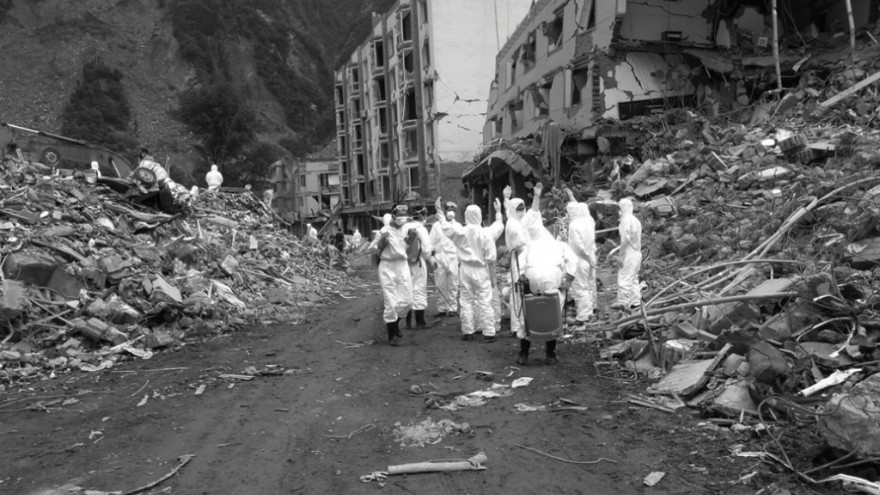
x=362, y=429
x=564, y=460
x=184, y=459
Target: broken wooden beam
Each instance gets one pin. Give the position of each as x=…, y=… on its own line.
x=851, y=91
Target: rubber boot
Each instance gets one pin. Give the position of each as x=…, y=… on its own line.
x=396, y=334
x=409, y=319
x=420, y=319
x=550, y=348
x=389, y=327
x=524, y=346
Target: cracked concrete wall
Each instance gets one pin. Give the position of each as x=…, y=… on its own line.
x=646, y=76
x=463, y=33
x=646, y=20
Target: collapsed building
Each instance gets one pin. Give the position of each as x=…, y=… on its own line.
x=573, y=71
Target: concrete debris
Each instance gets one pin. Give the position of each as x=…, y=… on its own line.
x=850, y=420
x=92, y=275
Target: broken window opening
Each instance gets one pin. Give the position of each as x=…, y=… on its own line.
x=358, y=137
x=527, y=52
x=423, y=11
x=384, y=156
x=343, y=146
x=553, y=31
x=386, y=188
x=540, y=97
x=591, y=20
x=408, y=62
x=380, y=89
x=414, y=177
x=362, y=193
x=346, y=196
x=361, y=166
x=340, y=95
x=511, y=68
x=382, y=120
x=410, y=148
x=343, y=165
x=579, y=80
x=515, y=112
x=409, y=105
x=426, y=53
x=499, y=126
x=302, y=180
x=406, y=27
x=428, y=92
x=379, y=53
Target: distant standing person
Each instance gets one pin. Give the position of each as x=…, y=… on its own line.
x=629, y=292
x=214, y=179
x=394, y=275
x=446, y=264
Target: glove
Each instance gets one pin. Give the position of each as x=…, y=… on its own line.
x=566, y=283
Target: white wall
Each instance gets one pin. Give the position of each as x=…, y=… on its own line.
x=465, y=45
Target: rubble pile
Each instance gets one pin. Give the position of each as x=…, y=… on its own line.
x=761, y=263
x=89, y=277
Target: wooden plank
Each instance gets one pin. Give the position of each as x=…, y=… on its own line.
x=688, y=377
x=851, y=91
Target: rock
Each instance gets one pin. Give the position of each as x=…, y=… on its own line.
x=159, y=338
x=13, y=303
x=850, y=421
x=735, y=399
x=162, y=290
x=822, y=353
x=864, y=254
x=229, y=264
x=41, y=270
x=114, y=310
x=776, y=328
x=100, y=331
x=767, y=362
x=686, y=245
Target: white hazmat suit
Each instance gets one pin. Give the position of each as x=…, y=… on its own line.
x=545, y=263
x=419, y=268
x=356, y=240
x=476, y=255
x=214, y=178
x=394, y=275
x=629, y=293
x=582, y=241
x=494, y=232
x=446, y=269
x=515, y=238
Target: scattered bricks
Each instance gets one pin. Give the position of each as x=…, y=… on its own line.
x=116, y=267
x=716, y=162
x=114, y=310
x=806, y=156
x=159, y=338
x=735, y=399
x=163, y=290
x=40, y=270
x=100, y=331
x=791, y=145
x=229, y=264
x=661, y=207
x=147, y=253
x=766, y=362
x=686, y=245
x=850, y=421
x=865, y=254
x=223, y=222
x=13, y=302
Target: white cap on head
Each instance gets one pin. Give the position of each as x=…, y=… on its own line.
x=95, y=165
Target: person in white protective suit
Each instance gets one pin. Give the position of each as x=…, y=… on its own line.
x=629, y=293
x=549, y=266
x=214, y=179
x=582, y=241
x=356, y=240
x=446, y=264
x=515, y=238
x=476, y=255
x=494, y=232
x=419, y=259
x=311, y=233
x=394, y=276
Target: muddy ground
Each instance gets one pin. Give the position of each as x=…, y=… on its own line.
x=326, y=411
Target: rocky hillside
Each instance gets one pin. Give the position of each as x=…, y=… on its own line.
x=282, y=51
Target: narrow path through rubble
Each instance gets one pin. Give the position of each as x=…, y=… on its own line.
x=325, y=406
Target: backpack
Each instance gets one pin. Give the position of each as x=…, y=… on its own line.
x=413, y=246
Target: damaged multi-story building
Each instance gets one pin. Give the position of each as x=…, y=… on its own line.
x=410, y=103
x=574, y=68
x=307, y=190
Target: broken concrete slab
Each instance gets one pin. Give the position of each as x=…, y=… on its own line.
x=162, y=290
x=766, y=362
x=41, y=270
x=13, y=303
x=864, y=254
x=850, y=421
x=735, y=399
x=825, y=354
x=688, y=377
x=114, y=310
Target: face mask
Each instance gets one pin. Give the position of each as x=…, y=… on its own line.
x=450, y=215
x=401, y=221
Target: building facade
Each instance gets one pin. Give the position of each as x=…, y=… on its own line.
x=308, y=190
x=573, y=67
x=410, y=103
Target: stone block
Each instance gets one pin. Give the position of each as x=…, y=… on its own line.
x=114, y=310
x=41, y=271
x=850, y=421
x=163, y=290
x=767, y=362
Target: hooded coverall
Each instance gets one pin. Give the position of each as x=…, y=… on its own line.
x=419, y=269
x=476, y=252
x=545, y=262
x=356, y=240
x=394, y=276
x=446, y=270
x=582, y=241
x=516, y=237
x=494, y=232
x=629, y=293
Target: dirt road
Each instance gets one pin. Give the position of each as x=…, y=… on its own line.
x=328, y=405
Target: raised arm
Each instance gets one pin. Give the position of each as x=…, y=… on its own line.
x=536, y=201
